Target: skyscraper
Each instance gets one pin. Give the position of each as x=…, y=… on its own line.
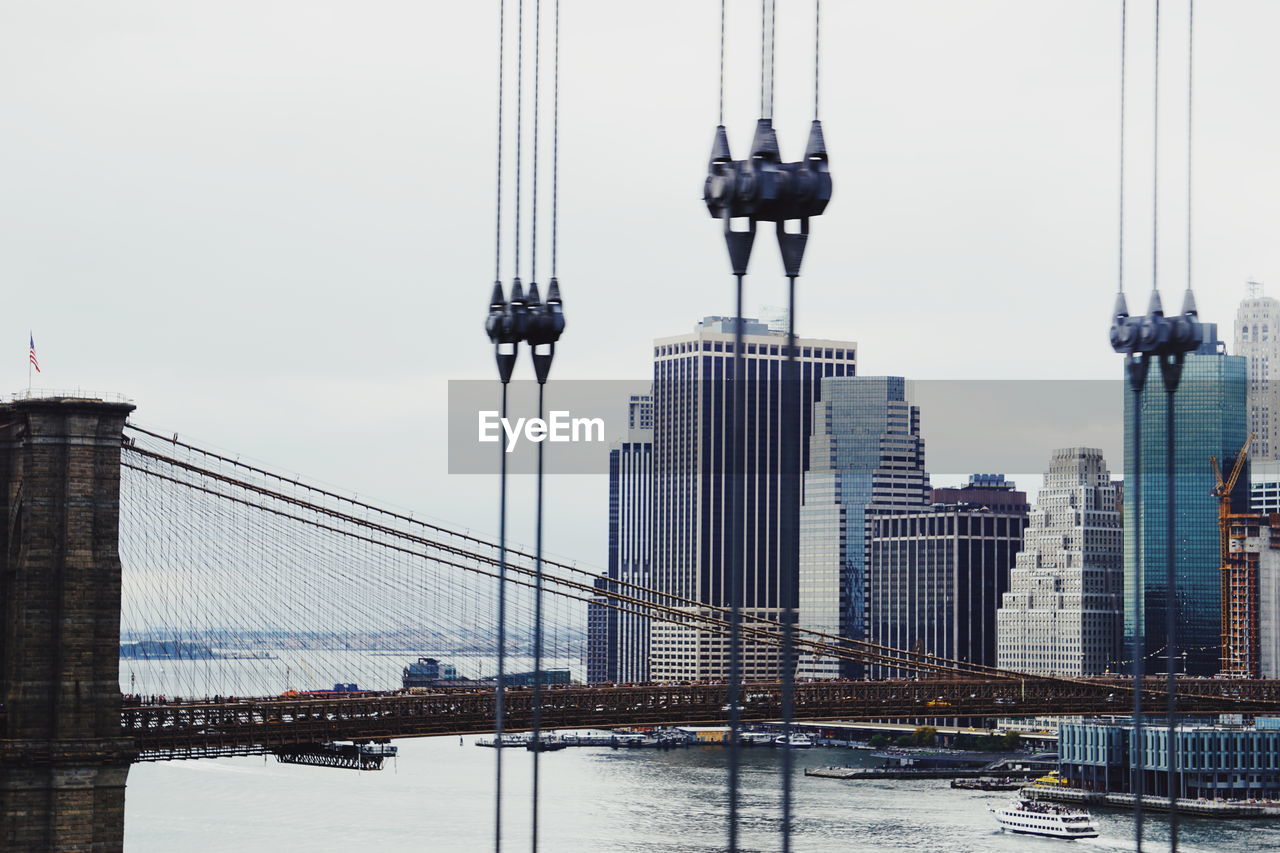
x=865, y=455
x=618, y=639
x=1062, y=613
x=693, y=534
x=1258, y=340
x=602, y=633
x=1210, y=415
x=936, y=577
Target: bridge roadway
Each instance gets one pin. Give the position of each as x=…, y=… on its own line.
x=247, y=726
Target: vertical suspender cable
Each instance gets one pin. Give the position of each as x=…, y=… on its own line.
x=515, y=255
x=764, y=41
x=555, y=146
x=498, y=709
x=1124, y=43
x=1137, y=367
x=773, y=41
x=1170, y=383
x=1172, y=600
x=537, y=78
x=1171, y=615
x=734, y=476
x=537, y=595
x=497, y=228
x=790, y=565
x=817, y=45
x=1191, y=18
x=537, y=635
x=722, y=16
x=1155, y=160
x=737, y=559
x=499, y=685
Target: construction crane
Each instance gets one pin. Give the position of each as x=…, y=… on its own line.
x=1222, y=490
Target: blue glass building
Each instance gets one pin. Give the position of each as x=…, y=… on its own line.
x=1210, y=415
x=865, y=454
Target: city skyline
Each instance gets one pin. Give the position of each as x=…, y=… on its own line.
x=283, y=227
x=305, y=189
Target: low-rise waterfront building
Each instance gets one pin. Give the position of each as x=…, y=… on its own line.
x=1212, y=761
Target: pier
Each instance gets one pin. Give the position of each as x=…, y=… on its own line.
x=1200, y=808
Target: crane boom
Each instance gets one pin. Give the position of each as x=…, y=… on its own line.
x=1232, y=657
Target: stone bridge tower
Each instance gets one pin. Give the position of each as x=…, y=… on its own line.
x=63, y=762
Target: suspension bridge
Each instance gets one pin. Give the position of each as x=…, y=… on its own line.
x=220, y=559
x=233, y=585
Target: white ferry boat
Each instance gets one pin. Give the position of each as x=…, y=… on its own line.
x=795, y=741
x=1035, y=818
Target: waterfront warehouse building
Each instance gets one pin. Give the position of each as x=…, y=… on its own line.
x=1061, y=615
x=865, y=455
x=693, y=533
x=1209, y=420
x=935, y=578
x=1213, y=761
x=1257, y=340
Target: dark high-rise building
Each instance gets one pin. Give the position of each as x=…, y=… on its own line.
x=865, y=456
x=1210, y=413
x=618, y=649
x=602, y=634
x=693, y=536
x=991, y=490
x=935, y=578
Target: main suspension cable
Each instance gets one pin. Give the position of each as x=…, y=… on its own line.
x=766, y=631
x=916, y=661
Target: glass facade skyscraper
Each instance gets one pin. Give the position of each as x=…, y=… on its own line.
x=1210, y=416
x=865, y=454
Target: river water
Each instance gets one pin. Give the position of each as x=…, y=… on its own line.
x=438, y=795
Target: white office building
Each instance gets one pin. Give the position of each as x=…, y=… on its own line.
x=1258, y=340
x=1062, y=613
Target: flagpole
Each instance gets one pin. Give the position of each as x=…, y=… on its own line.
x=31, y=339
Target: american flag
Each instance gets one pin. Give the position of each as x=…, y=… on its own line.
x=35, y=362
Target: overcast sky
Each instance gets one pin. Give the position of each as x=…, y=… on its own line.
x=270, y=223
